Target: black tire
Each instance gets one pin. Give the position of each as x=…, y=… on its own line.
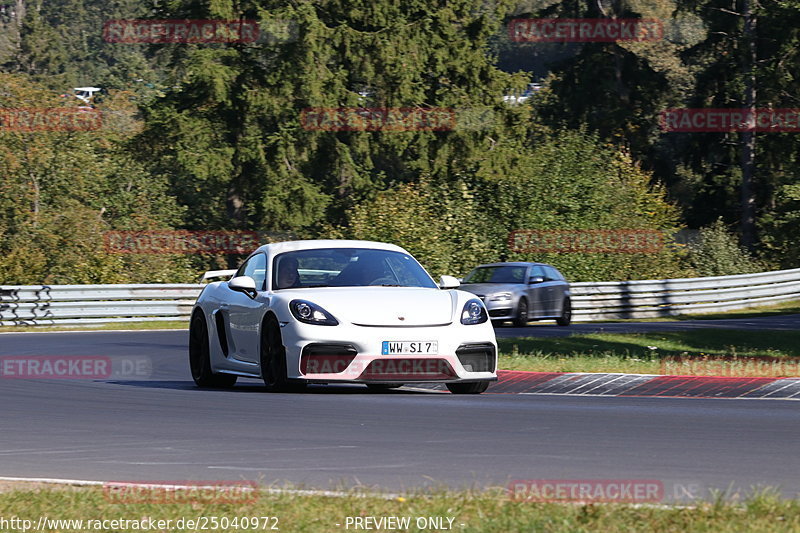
x=521, y=319
x=468, y=388
x=566, y=313
x=383, y=387
x=200, y=357
x=273, y=360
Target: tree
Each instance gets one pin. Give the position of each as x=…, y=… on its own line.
x=231, y=134
x=63, y=187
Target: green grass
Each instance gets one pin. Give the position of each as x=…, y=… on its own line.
x=472, y=511
x=783, y=308
x=646, y=353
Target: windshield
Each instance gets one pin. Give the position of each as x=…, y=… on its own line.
x=348, y=267
x=497, y=274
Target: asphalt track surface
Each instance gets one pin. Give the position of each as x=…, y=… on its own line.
x=154, y=425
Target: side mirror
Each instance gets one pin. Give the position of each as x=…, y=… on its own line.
x=448, y=282
x=244, y=284
x=535, y=279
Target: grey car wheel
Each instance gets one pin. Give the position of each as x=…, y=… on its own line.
x=566, y=313
x=522, y=313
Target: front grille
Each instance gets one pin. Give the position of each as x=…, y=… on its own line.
x=480, y=357
x=499, y=312
x=408, y=369
x=318, y=358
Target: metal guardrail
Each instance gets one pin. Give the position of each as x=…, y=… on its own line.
x=100, y=304
x=670, y=297
x=50, y=305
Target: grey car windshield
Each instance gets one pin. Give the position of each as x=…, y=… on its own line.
x=497, y=274
x=348, y=267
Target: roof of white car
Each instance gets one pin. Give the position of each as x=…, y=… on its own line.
x=291, y=246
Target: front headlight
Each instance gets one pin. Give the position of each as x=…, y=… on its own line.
x=311, y=313
x=474, y=312
x=500, y=297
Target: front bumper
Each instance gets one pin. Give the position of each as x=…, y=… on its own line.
x=501, y=309
x=349, y=353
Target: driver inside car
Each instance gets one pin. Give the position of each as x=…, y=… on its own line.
x=288, y=277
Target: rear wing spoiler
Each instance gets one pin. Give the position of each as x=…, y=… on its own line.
x=218, y=274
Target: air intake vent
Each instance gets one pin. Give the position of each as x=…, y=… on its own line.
x=477, y=357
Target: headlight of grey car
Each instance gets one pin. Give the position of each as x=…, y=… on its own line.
x=500, y=297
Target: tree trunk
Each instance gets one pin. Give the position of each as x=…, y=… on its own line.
x=748, y=163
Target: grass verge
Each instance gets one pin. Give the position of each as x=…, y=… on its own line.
x=722, y=350
x=126, y=326
x=470, y=511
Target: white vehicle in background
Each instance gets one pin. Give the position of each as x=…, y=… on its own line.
x=520, y=97
x=85, y=94
x=326, y=311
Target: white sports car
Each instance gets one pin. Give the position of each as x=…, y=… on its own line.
x=329, y=311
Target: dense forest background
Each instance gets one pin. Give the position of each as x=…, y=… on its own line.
x=209, y=136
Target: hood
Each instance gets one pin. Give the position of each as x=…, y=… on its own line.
x=485, y=289
x=382, y=306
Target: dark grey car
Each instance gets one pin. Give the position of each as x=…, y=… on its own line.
x=521, y=292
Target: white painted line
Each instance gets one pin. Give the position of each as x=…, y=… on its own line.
x=53, y=481
x=609, y=382
x=771, y=392
x=90, y=331
x=298, y=492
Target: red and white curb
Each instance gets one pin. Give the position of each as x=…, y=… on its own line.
x=645, y=385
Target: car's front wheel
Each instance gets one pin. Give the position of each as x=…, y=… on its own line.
x=273, y=359
x=200, y=357
x=522, y=313
x=468, y=388
x=566, y=313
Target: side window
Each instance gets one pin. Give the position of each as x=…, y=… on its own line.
x=551, y=274
x=537, y=272
x=256, y=268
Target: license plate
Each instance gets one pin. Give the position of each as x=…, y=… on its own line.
x=409, y=347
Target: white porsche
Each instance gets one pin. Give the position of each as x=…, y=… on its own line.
x=325, y=311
